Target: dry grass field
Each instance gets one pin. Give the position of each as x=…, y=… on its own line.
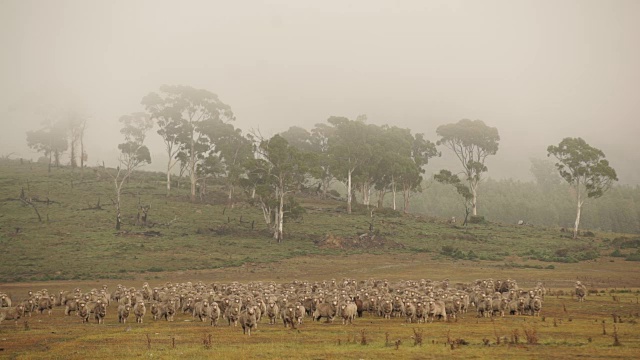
x=565, y=329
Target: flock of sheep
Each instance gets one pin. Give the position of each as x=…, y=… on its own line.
x=291, y=303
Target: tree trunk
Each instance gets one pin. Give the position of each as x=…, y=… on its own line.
x=381, y=194
x=393, y=191
x=192, y=177
x=577, y=223
x=474, y=202
x=118, y=216
x=280, y=224
x=349, y=192
x=169, y=177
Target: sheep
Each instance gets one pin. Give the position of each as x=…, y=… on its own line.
x=326, y=310
x=348, y=312
x=83, y=312
x=484, y=306
x=513, y=307
x=123, y=313
x=71, y=306
x=581, y=291
x=398, y=307
x=385, y=309
x=201, y=310
x=299, y=312
x=12, y=313
x=214, y=313
x=5, y=300
x=437, y=309
x=273, y=311
x=139, y=309
x=410, y=312
x=288, y=316
x=46, y=303
x=155, y=312
x=419, y=314
x=100, y=312
x=248, y=320
x=167, y=310
x=29, y=306
x=232, y=314
x=359, y=305
x=536, y=306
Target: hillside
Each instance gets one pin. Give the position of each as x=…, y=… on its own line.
x=75, y=236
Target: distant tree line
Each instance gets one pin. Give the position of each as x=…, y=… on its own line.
x=380, y=165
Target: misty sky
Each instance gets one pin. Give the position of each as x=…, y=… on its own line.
x=539, y=71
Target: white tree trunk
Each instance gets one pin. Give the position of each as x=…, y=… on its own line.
x=349, y=192
x=169, y=177
x=394, y=190
x=474, y=202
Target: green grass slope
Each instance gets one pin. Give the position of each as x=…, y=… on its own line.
x=74, y=239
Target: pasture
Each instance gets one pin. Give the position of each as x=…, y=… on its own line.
x=70, y=242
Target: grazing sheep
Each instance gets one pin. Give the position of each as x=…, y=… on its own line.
x=348, y=312
x=299, y=312
x=385, y=309
x=100, y=312
x=46, y=303
x=232, y=314
x=201, y=310
x=581, y=291
x=326, y=310
x=5, y=300
x=419, y=313
x=29, y=306
x=437, y=309
x=123, y=313
x=214, y=313
x=155, y=312
x=248, y=320
x=82, y=312
x=273, y=312
x=167, y=310
x=139, y=309
x=71, y=306
x=288, y=316
x=12, y=313
x=536, y=306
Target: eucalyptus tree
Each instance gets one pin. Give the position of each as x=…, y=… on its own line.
x=182, y=113
x=349, y=149
x=472, y=142
x=230, y=152
x=277, y=172
x=585, y=169
x=51, y=141
x=446, y=177
x=133, y=153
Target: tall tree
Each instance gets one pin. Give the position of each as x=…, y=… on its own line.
x=133, y=153
x=280, y=169
x=76, y=124
x=349, y=149
x=471, y=142
x=231, y=151
x=182, y=113
x=50, y=140
x=585, y=169
x=446, y=177
x=545, y=173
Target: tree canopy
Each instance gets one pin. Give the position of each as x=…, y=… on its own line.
x=585, y=169
x=472, y=142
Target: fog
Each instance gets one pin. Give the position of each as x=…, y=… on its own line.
x=539, y=71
